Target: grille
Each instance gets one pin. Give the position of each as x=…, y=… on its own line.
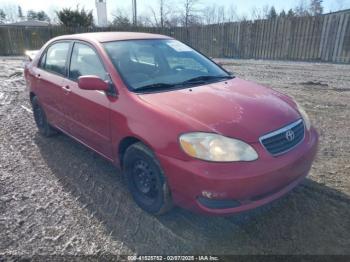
x=284, y=139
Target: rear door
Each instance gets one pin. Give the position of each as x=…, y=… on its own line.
x=87, y=111
x=50, y=76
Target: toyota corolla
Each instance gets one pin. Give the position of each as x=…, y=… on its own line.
x=183, y=130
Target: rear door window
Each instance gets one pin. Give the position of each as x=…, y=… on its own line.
x=55, y=58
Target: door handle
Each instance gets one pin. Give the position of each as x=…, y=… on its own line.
x=66, y=89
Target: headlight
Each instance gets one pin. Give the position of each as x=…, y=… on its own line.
x=216, y=148
x=304, y=116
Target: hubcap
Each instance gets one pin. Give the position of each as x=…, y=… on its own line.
x=144, y=178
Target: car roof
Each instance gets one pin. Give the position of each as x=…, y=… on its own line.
x=112, y=36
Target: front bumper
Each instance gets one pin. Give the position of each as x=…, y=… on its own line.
x=240, y=186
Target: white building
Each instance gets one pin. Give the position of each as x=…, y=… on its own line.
x=101, y=7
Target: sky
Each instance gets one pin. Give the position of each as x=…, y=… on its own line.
x=243, y=7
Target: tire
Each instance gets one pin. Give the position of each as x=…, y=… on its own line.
x=146, y=180
x=43, y=125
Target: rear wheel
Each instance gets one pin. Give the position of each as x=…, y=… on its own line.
x=40, y=119
x=146, y=180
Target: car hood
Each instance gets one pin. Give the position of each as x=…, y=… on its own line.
x=234, y=108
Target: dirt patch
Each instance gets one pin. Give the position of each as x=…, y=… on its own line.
x=57, y=197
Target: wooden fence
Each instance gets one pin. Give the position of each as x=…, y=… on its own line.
x=323, y=38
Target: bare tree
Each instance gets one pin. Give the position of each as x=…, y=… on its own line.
x=216, y=14
x=256, y=14
x=173, y=20
x=11, y=12
x=302, y=9
x=121, y=18
x=221, y=15
x=189, y=12
x=155, y=17
x=213, y=14
x=243, y=18
x=232, y=13
x=164, y=11
x=161, y=17
x=144, y=20
x=208, y=14
x=260, y=13
x=266, y=11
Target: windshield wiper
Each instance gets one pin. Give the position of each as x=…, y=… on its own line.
x=156, y=87
x=205, y=79
x=166, y=86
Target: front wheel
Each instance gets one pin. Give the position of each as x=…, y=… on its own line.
x=146, y=180
x=40, y=119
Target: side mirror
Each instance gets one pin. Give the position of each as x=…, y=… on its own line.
x=92, y=83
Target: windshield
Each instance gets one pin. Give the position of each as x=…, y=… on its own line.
x=154, y=65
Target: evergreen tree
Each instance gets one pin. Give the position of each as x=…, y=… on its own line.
x=283, y=13
x=2, y=16
x=77, y=17
x=42, y=16
x=290, y=13
x=272, y=13
x=121, y=20
x=32, y=15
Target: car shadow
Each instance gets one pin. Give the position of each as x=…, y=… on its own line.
x=312, y=219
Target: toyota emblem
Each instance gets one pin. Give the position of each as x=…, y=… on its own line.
x=290, y=135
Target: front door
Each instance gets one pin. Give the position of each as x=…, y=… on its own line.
x=88, y=111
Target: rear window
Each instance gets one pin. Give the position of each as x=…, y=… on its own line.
x=54, y=60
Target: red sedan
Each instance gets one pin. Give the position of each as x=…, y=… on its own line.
x=184, y=130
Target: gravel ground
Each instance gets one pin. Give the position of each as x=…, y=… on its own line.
x=57, y=197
